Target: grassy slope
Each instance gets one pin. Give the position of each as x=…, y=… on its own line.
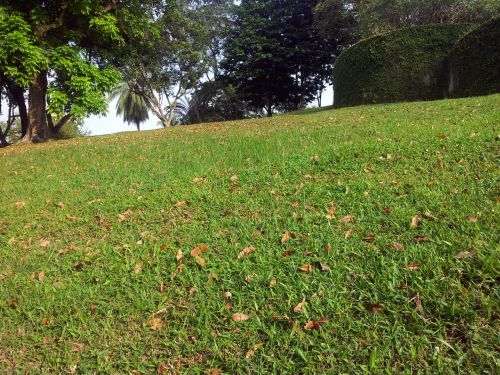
x=79, y=283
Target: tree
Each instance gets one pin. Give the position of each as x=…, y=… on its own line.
x=171, y=62
x=132, y=105
x=274, y=56
x=364, y=18
x=58, y=52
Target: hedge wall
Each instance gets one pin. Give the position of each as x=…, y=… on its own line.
x=474, y=62
x=402, y=65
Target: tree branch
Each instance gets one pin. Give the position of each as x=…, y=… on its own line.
x=44, y=29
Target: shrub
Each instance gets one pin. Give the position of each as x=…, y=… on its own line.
x=403, y=65
x=474, y=62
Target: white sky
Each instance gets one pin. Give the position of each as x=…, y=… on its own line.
x=112, y=124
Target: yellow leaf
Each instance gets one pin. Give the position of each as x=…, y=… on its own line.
x=201, y=261
x=415, y=221
x=306, y=268
x=273, y=283
x=156, y=323
x=299, y=306
x=179, y=255
x=198, y=250
x=287, y=236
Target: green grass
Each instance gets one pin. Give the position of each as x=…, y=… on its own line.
x=80, y=284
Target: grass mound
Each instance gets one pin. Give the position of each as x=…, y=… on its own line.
x=350, y=240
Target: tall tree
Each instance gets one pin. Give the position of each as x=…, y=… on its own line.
x=275, y=57
x=170, y=63
x=58, y=50
x=132, y=105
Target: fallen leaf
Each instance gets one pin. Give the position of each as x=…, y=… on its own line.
x=272, y=283
x=215, y=371
x=369, y=238
x=246, y=251
x=472, y=219
x=138, y=268
x=239, y=317
x=198, y=250
x=228, y=295
x=397, y=246
x=179, y=268
x=192, y=291
x=314, y=158
x=200, y=261
x=249, y=278
x=347, y=219
x=20, y=204
x=299, y=306
x=45, y=321
x=373, y=307
x=124, y=215
x=348, y=234
x=44, y=243
x=41, y=276
x=306, y=268
x=418, y=304
x=161, y=288
x=387, y=211
x=252, y=351
x=287, y=236
x=72, y=218
x=286, y=253
x=464, y=254
x=312, y=325
x=181, y=203
x=413, y=266
x=415, y=221
x=156, y=323
x=179, y=255
x=61, y=204
x=197, y=180
x=46, y=340
x=234, y=178
x=368, y=170
x=421, y=239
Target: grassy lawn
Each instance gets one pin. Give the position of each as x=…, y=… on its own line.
x=354, y=240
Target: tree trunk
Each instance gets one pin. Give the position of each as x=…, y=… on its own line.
x=17, y=93
x=37, y=117
x=269, y=107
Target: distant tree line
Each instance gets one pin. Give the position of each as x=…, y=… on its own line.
x=185, y=61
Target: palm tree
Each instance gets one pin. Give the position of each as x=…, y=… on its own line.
x=132, y=105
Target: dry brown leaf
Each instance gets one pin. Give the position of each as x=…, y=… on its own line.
x=287, y=236
x=369, y=238
x=198, y=250
x=368, y=170
x=418, y=304
x=179, y=268
x=421, y=239
x=215, y=371
x=272, y=283
x=44, y=243
x=61, y=204
x=249, y=278
x=239, y=317
x=413, y=266
x=228, y=295
x=299, y=306
x=156, y=323
x=415, y=220
x=397, y=246
x=179, y=255
x=198, y=180
x=252, y=351
x=295, y=204
x=246, y=251
x=41, y=276
x=346, y=219
x=314, y=158
x=234, y=178
x=72, y=218
x=312, y=325
x=181, y=203
x=161, y=288
x=387, y=210
x=201, y=261
x=464, y=254
x=20, y=204
x=348, y=234
x=192, y=291
x=138, y=268
x=472, y=219
x=306, y=268
x=373, y=307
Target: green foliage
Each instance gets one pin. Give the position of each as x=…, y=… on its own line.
x=474, y=62
x=403, y=65
x=78, y=88
x=21, y=58
x=133, y=106
x=82, y=280
x=274, y=57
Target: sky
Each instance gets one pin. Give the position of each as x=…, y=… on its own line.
x=98, y=125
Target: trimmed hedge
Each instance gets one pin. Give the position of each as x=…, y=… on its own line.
x=402, y=65
x=474, y=62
